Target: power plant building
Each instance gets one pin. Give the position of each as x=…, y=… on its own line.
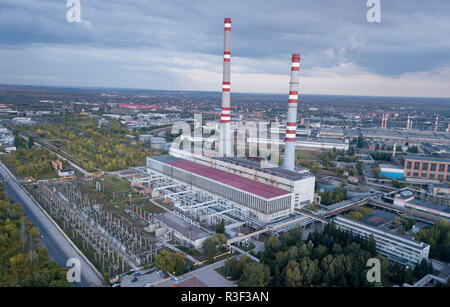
x=266, y=194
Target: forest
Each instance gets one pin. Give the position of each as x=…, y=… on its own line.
x=34, y=162
x=332, y=258
x=23, y=263
x=106, y=148
x=438, y=236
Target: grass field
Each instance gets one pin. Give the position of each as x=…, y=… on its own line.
x=115, y=184
x=308, y=155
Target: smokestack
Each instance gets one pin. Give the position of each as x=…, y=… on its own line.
x=408, y=122
x=382, y=121
x=291, y=125
x=436, y=123
x=394, y=150
x=385, y=120
x=225, y=141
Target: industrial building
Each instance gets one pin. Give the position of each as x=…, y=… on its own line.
x=307, y=143
x=396, y=248
x=175, y=226
x=426, y=167
x=391, y=171
x=264, y=202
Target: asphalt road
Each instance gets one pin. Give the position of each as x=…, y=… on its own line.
x=59, y=249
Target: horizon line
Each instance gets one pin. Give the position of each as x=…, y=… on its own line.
x=205, y=91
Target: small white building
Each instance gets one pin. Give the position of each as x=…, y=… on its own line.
x=8, y=149
x=66, y=172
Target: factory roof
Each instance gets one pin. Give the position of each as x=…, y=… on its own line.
x=276, y=171
x=247, y=185
x=190, y=231
x=421, y=158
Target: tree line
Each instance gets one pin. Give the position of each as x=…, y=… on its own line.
x=23, y=263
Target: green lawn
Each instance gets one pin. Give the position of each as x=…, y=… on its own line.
x=114, y=184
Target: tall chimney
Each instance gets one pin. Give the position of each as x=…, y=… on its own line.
x=291, y=125
x=436, y=123
x=225, y=135
x=408, y=121
x=382, y=121
x=394, y=150
x=385, y=120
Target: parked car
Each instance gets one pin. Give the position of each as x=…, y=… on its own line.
x=116, y=285
x=166, y=276
x=136, y=274
x=134, y=279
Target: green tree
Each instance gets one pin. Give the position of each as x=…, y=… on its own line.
x=360, y=142
x=212, y=244
x=220, y=227
x=171, y=262
x=255, y=275
x=30, y=142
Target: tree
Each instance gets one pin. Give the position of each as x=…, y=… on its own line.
x=276, y=282
x=438, y=237
x=30, y=142
x=413, y=149
x=255, y=275
x=360, y=142
x=171, y=262
x=271, y=244
x=18, y=141
x=211, y=245
x=23, y=235
x=220, y=228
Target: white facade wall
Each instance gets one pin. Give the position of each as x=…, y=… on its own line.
x=303, y=189
x=395, y=248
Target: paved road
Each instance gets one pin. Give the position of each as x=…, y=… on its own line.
x=59, y=248
x=207, y=275
x=145, y=277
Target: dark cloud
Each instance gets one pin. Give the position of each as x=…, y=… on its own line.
x=412, y=37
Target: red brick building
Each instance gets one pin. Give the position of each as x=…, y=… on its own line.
x=426, y=168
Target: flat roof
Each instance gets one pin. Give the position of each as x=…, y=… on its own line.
x=191, y=282
x=410, y=242
x=190, y=231
x=277, y=171
x=421, y=158
x=242, y=183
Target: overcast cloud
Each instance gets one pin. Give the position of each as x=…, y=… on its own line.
x=178, y=45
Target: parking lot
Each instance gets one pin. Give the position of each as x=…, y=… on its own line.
x=145, y=278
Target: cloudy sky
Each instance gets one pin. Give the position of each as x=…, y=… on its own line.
x=178, y=45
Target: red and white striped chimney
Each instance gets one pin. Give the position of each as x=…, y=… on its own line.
x=385, y=120
x=436, y=123
x=225, y=117
x=291, y=125
x=408, y=122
